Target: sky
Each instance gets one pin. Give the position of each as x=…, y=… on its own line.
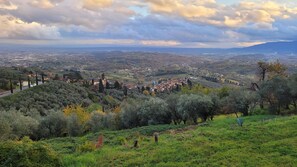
x=148, y=23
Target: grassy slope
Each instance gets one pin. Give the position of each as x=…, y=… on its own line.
x=262, y=141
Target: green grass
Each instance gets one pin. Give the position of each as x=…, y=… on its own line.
x=262, y=141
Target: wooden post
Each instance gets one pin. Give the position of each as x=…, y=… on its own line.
x=11, y=88
x=156, y=135
x=136, y=144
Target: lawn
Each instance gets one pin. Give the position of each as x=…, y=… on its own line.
x=262, y=141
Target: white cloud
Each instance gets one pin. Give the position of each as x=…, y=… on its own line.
x=14, y=28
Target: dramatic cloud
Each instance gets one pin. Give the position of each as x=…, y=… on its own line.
x=184, y=23
x=96, y=4
x=6, y=4
x=46, y=4
x=14, y=28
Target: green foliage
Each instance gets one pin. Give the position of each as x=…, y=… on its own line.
x=27, y=153
x=196, y=89
x=15, y=125
x=194, y=106
x=129, y=114
x=43, y=98
x=74, y=126
x=262, y=141
x=240, y=101
x=96, y=121
x=53, y=125
x=86, y=147
x=172, y=101
x=154, y=111
x=277, y=92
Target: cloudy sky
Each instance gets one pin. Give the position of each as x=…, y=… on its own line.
x=172, y=23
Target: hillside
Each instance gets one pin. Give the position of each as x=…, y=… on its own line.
x=41, y=99
x=262, y=141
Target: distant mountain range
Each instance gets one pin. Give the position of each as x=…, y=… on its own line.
x=270, y=47
x=266, y=48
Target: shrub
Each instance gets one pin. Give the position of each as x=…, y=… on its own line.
x=129, y=114
x=96, y=121
x=154, y=111
x=53, y=125
x=17, y=124
x=73, y=125
x=86, y=147
x=27, y=153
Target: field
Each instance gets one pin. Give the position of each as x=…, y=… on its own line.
x=262, y=141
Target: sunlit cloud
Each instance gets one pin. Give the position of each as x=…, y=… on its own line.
x=7, y=5
x=176, y=23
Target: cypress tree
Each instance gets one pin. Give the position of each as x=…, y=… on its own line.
x=101, y=86
x=11, y=88
x=125, y=90
x=29, y=82
x=107, y=85
x=42, y=78
x=36, y=77
x=21, y=84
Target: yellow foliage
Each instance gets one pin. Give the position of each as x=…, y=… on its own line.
x=146, y=92
x=117, y=110
x=82, y=115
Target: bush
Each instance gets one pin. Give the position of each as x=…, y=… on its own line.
x=53, y=125
x=16, y=125
x=73, y=125
x=129, y=114
x=96, y=121
x=86, y=147
x=28, y=153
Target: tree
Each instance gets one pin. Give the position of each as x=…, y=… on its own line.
x=277, y=69
x=56, y=77
x=36, y=78
x=154, y=111
x=101, y=86
x=107, y=85
x=262, y=70
x=125, y=91
x=292, y=83
x=172, y=101
x=239, y=101
x=117, y=85
x=129, y=113
x=53, y=125
x=277, y=93
x=194, y=106
x=189, y=82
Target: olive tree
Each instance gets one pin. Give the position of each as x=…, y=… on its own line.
x=129, y=114
x=240, y=101
x=172, y=101
x=194, y=106
x=154, y=111
x=277, y=93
